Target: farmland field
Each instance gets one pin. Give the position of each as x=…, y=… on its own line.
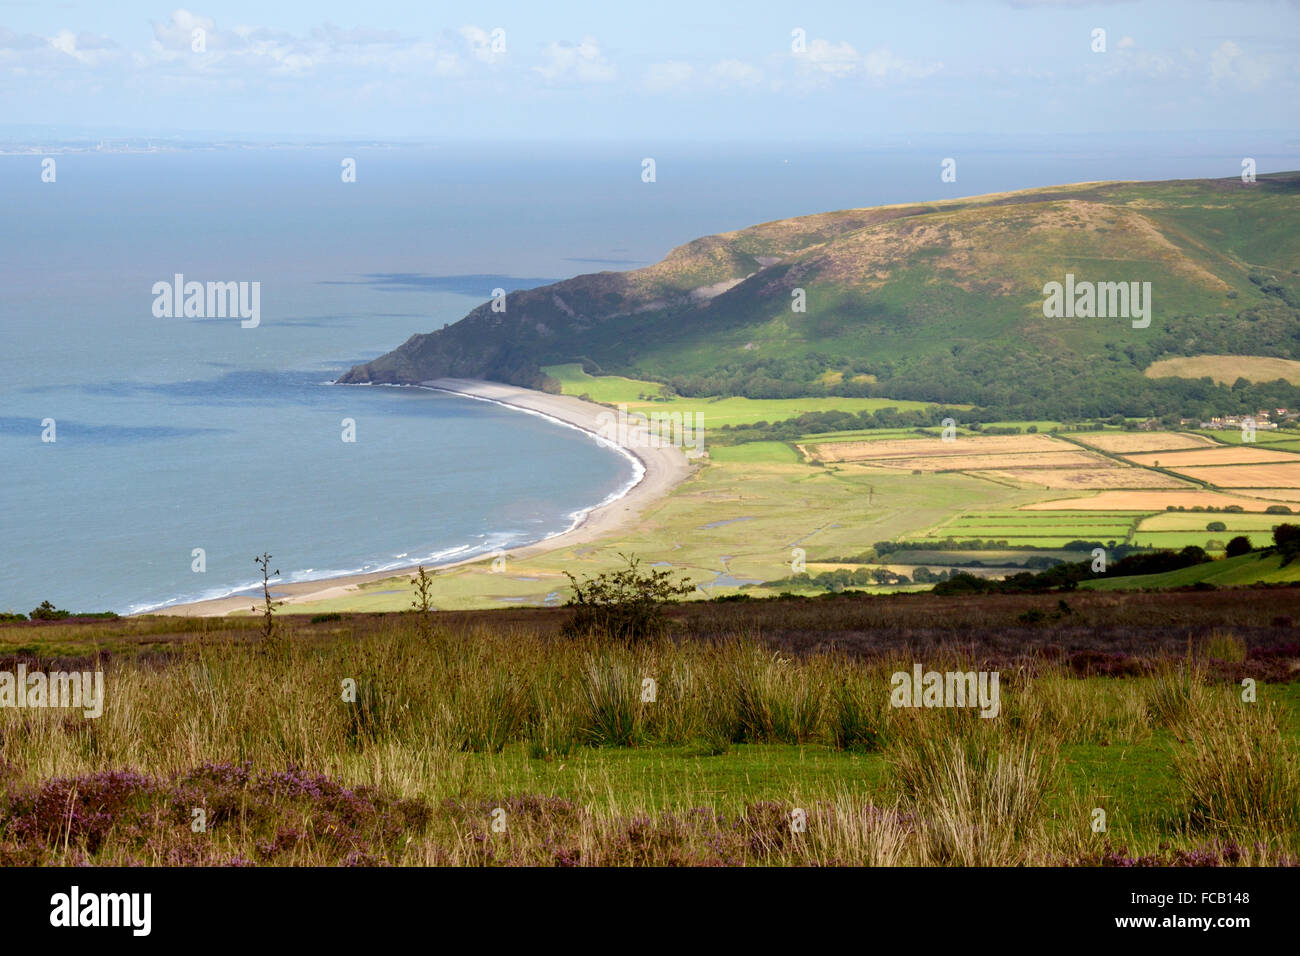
x=1151, y=501
x=983, y=445
x=1226, y=369
x=1057, y=459
x=1120, y=443
x=1196, y=521
x=1174, y=540
x=1224, y=455
x=1232, y=436
x=1085, y=478
x=615, y=390
x=1248, y=476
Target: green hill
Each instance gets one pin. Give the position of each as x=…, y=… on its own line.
x=1226, y=573
x=935, y=302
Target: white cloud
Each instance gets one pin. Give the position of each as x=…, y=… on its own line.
x=839, y=59
x=480, y=44
x=884, y=63
x=581, y=62
x=734, y=73
x=676, y=76
x=1230, y=66
x=84, y=47
x=670, y=76
x=825, y=62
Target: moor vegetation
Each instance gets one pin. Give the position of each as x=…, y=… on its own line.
x=519, y=738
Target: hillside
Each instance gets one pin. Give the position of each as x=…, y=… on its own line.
x=936, y=302
x=1242, y=571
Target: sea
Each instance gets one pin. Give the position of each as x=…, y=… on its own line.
x=148, y=459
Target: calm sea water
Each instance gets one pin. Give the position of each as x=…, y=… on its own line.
x=176, y=434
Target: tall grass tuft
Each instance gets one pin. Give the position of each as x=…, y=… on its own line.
x=979, y=795
x=1239, y=770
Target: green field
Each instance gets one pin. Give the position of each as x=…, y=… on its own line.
x=1196, y=521
x=608, y=389
x=1227, y=572
x=716, y=412
x=1174, y=540
x=1232, y=436
x=1045, y=529
x=766, y=451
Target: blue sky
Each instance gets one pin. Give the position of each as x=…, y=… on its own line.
x=659, y=70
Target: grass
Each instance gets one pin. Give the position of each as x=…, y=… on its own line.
x=741, y=518
x=1226, y=369
x=1227, y=572
x=755, y=451
x=444, y=732
x=1174, y=540
x=716, y=412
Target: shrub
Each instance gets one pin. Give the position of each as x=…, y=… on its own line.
x=1286, y=538
x=1216, y=526
x=626, y=605
x=1238, y=546
x=48, y=612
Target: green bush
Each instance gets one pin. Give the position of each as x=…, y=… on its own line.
x=48, y=612
x=625, y=605
x=1238, y=546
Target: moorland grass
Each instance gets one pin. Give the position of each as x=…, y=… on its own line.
x=588, y=768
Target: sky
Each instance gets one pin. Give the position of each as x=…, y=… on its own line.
x=728, y=71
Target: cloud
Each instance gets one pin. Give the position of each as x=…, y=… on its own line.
x=675, y=76
x=839, y=59
x=85, y=47
x=734, y=73
x=581, y=62
x=480, y=43
x=1230, y=66
x=668, y=77
x=825, y=62
x=884, y=63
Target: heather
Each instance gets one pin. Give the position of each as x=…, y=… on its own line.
x=502, y=740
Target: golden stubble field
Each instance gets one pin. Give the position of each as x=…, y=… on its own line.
x=1121, y=443
x=1221, y=455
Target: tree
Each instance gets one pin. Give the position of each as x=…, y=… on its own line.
x=1286, y=538
x=1238, y=546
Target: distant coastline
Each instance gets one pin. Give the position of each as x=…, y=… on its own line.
x=660, y=471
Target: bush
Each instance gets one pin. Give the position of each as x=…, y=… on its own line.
x=1216, y=526
x=1286, y=538
x=48, y=612
x=1238, y=546
x=626, y=605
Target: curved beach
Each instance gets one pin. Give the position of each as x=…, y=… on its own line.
x=662, y=470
